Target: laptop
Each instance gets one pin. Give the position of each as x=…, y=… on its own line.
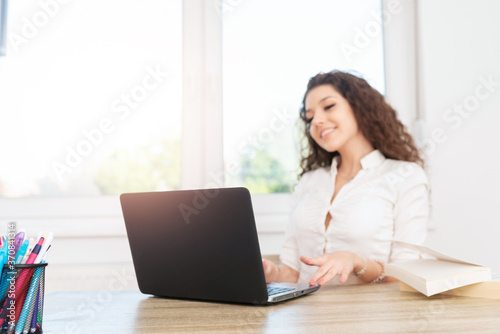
x=200, y=245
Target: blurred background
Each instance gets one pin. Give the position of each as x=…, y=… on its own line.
x=101, y=98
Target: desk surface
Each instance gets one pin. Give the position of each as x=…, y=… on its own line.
x=346, y=309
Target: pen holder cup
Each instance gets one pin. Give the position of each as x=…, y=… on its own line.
x=22, y=288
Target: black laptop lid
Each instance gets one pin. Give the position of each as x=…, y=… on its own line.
x=195, y=244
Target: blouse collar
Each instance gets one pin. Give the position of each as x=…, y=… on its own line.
x=371, y=160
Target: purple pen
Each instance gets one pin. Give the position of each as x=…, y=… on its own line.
x=35, y=313
x=18, y=240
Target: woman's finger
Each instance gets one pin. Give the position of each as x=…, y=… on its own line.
x=319, y=273
x=313, y=261
x=265, y=264
x=268, y=270
x=344, y=276
x=328, y=276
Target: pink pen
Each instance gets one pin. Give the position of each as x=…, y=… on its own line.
x=35, y=251
x=28, y=251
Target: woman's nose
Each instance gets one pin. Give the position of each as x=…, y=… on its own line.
x=318, y=118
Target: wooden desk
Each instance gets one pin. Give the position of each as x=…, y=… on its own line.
x=343, y=309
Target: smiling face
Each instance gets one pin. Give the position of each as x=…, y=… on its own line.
x=332, y=121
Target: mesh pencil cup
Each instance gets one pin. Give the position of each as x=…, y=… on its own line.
x=22, y=288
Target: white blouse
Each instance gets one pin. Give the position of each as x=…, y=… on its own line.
x=387, y=200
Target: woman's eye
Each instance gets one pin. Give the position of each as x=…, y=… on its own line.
x=309, y=116
x=329, y=106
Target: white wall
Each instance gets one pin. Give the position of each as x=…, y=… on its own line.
x=459, y=44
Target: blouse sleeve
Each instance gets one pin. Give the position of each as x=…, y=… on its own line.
x=411, y=213
x=290, y=252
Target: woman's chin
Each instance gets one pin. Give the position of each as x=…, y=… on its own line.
x=330, y=147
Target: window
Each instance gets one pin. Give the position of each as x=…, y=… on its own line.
x=90, y=98
x=270, y=50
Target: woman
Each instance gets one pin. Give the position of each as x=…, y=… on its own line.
x=362, y=186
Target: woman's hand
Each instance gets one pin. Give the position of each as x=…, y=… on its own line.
x=281, y=273
x=330, y=265
x=270, y=270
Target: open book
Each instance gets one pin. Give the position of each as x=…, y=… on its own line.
x=434, y=275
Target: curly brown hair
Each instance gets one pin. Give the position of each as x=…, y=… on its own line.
x=376, y=119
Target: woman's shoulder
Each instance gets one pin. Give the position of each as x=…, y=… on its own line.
x=407, y=171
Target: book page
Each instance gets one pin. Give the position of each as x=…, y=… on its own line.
x=427, y=251
x=435, y=269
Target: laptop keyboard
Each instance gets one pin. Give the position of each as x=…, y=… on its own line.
x=276, y=290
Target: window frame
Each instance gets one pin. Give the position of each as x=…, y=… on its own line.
x=4, y=4
x=202, y=125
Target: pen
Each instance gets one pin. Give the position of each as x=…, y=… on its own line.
x=20, y=253
x=18, y=240
x=28, y=252
x=10, y=275
x=48, y=236
x=34, y=316
x=3, y=261
x=29, y=301
x=4, y=254
x=20, y=283
x=35, y=251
